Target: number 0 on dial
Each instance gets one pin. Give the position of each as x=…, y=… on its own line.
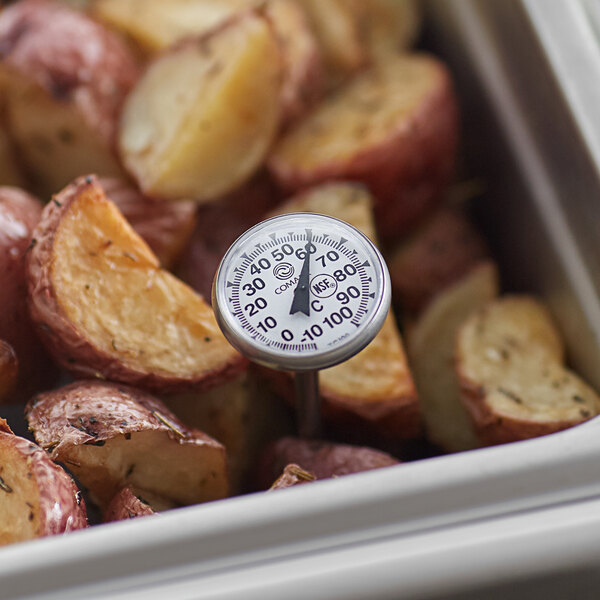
x=301, y=292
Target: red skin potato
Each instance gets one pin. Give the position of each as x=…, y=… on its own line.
x=9, y=369
x=406, y=173
x=76, y=354
x=440, y=253
x=218, y=225
x=126, y=505
x=19, y=215
x=323, y=459
x=50, y=43
x=59, y=506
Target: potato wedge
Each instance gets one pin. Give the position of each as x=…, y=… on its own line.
x=394, y=128
x=105, y=308
x=430, y=346
x=126, y=505
x=64, y=79
x=323, y=459
x=112, y=436
x=37, y=497
x=437, y=255
x=165, y=226
x=204, y=114
x=374, y=390
x=155, y=25
x=241, y=416
x=19, y=214
x=292, y=475
x=218, y=225
x=509, y=359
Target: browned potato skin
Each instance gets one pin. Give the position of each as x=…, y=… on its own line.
x=439, y=253
x=63, y=340
x=74, y=60
x=323, y=459
x=126, y=505
x=292, y=475
x=406, y=173
x=219, y=224
x=19, y=214
x=91, y=412
x=164, y=225
x=539, y=338
x=55, y=505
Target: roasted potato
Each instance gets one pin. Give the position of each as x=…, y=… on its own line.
x=510, y=365
x=112, y=436
x=322, y=459
x=204, y=114
x=240, y=415
x=37, y=497
x=19, y=214
x=105, y=309
x=126, y=505
x=64, y=79
x=394, y=127
x=165, y=226
x=437, y=255
x=218, y=225
x=292, y=475
x=159, y=25
x=430, y=346
x=374, y=390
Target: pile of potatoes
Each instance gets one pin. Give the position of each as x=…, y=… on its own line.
x=139, y=138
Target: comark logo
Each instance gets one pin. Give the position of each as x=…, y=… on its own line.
x=283, y=271
x=323, y=286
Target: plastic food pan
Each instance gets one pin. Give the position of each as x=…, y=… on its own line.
x=520, y=520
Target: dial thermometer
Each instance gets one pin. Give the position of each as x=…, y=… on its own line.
x=302, y=292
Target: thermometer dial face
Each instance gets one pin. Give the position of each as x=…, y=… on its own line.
x=301, y=291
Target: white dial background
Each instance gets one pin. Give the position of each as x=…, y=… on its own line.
x=348, y=295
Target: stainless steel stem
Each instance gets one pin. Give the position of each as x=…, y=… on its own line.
x=308, y=403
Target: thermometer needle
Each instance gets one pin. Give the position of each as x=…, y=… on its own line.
x=301, y=302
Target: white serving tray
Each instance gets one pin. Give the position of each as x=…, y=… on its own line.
x=517, y=521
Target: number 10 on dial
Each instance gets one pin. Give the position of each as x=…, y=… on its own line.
x=301, y=292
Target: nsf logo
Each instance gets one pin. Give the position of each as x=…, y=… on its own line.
x=323, y=285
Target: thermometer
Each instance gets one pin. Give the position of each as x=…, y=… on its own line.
x=302, y=292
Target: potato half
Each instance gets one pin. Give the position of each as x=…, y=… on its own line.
x=437, y=255
x=322, y=459
x=37, y=497
x=509, y=359
x=394, y=127
x=374, y=389
x=64, y=80
x=430, y=345
x=113, y=436
x=165, y=226
x=106, y=309
x=204, y=114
